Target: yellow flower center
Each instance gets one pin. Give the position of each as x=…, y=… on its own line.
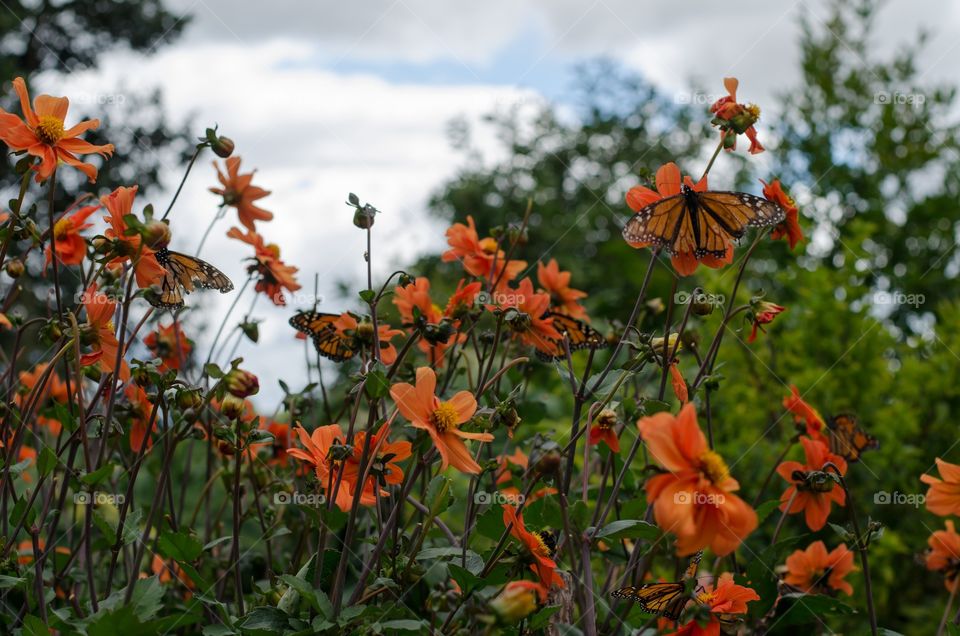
x=714, y=467
x=754, y=110
x=544, y=541
x=489, y=245
x=444, y=417
x=705, y=597
x=61, y=228
x=49, y=130
x=273, y=249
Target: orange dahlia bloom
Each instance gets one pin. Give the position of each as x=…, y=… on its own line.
x=481, y=258
x=734, y=118
x=166, y=573
x=764, y=314
x=170, y=344
x=814, y=571
x=563, y=298
x=140, y=409
x=944, y=554
x=804, y=414
x=789, y=228
x=668, y=180
x=462, y=300
x=416, y=295
x=347, y=325
x=275, y=275
x=814, y=499
x=384, y=469
x=694, y=499
x=604, y=430
x=238, y=192
x=534, y=330
x=724, y=602
x=441, y=419
x=518, y=600
x=119, y=203
x=537, y=545
x=69, y=246
x=324, y=449
x=943, y=497
x=42, y=133
x=504, y=474
x=55, y=390
x=100, y=330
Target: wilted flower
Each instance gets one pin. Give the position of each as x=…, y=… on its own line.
x=69, y=246
x=789, y=228
x=43, y=134
x=735, y=119
x=603, y=430
x=763, y=314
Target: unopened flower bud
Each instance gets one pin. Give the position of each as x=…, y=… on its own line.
x=232, y=406
x=242, y=383
x=607, y=418
x=518, y=320
x=363, y=218
x=549, y=462
x=222, y=146
x=157, y=234
x=189, y=398
x=517, y=601
x=14, y=268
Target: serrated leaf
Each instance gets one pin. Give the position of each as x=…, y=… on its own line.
x=179, y=546
x=628, y=529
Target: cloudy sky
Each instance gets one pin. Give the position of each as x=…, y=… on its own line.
x=325, y=98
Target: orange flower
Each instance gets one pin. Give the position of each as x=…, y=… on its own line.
x=532, y=328
x=944, y=554
x=735, y=119
x=45, y=135
x=462, y=300
x=562, y=297
x=103, y=341
x=807, y=569
x=764, y=315
x=119, y=203
x=326, y=452
x=481, y=258
x=55, y=390
x=274, y=274
x=604, y=430
x=537, y=545
x=166, y=573
x=238, y=192
x=70, y=247
x=416, y=296
x=943, y=497
x=679, y=384
x=695, y=499
x=724, y=603
x=441, y=419
x=813, y=496
x=668, y=181
x=347, y=325
x=789, y=228
x=804, y=413
x=170, y=344
x=384, y=456
x=140, y=409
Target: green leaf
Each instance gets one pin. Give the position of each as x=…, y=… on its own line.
x=94, y=478
x=764, y=509
x=438, y=495
x=464, y=578
x=405, y=624
x=799, y=609
x=8, y=582
x=266, y=618
x=628, y=529
x=34, y=626
x=213, y=371
x=46, y=461
x=377, y=386
x=541, y=618
x=179, y=546
x=367, y=295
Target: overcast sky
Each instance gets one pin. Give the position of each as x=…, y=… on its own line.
x=325, y=98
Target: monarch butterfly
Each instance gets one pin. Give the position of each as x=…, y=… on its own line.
x=328, y=341
x=183, y=274
x=663, y=599
x=847, y=439
x=579, y=334
x=702, y=223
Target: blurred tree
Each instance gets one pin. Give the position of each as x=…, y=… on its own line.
x=71, y=36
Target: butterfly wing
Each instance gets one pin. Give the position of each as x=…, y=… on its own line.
x=184, y=274
x=579, y=334
x=663, y=599
x=700, y=223
x=328, y=342
x=691, y=570
x=848, y=439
